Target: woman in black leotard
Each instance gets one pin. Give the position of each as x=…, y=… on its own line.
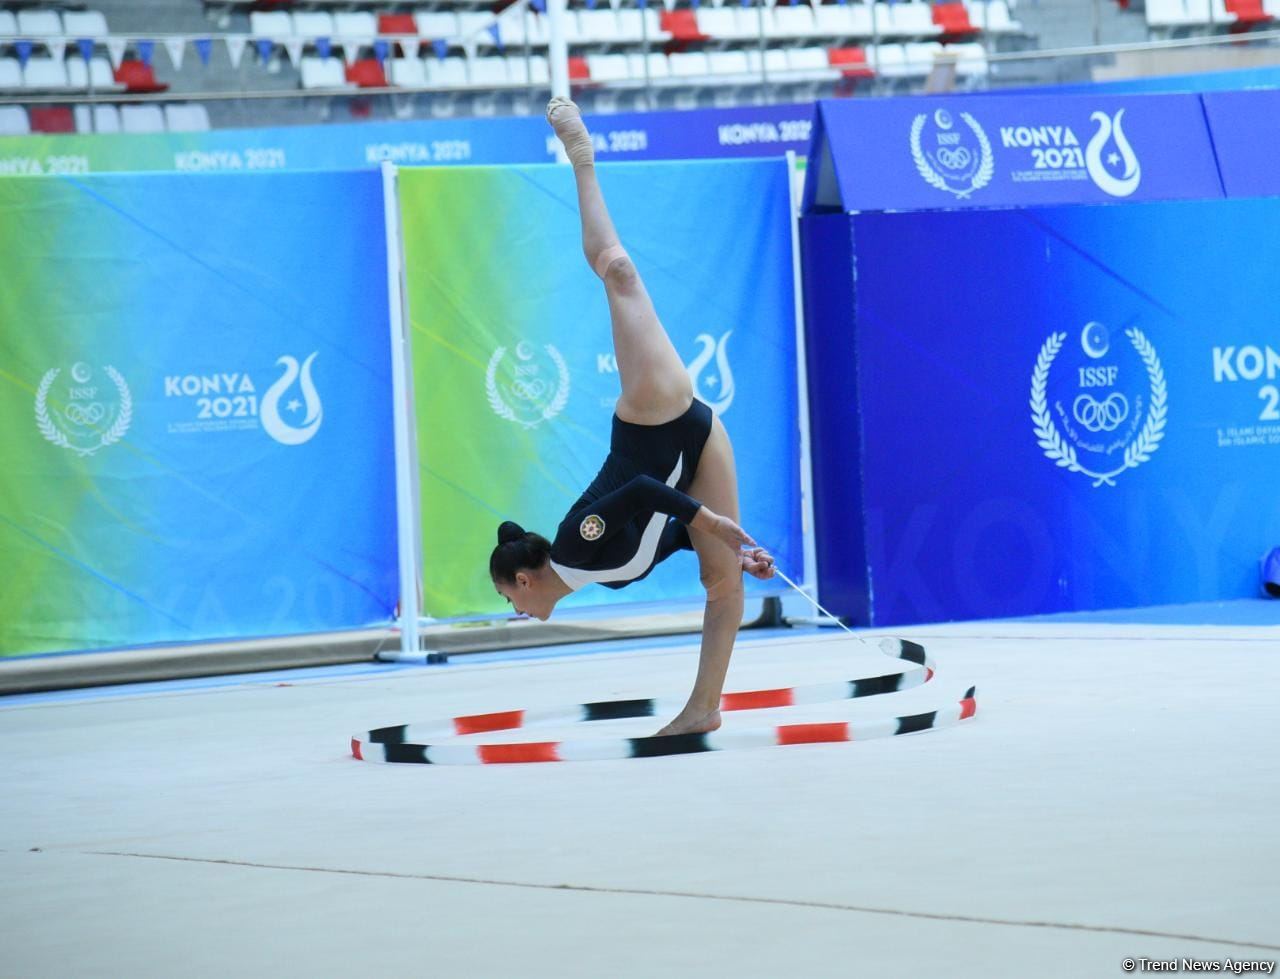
x=668, y=483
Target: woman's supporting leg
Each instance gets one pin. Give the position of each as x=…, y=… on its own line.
x=716, y=485
x=655, y=385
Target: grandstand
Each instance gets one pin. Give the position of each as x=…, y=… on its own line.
x=136, y=67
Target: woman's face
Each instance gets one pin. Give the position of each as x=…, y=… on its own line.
x=528, y=596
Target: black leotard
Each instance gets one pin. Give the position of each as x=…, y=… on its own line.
x=635, y=512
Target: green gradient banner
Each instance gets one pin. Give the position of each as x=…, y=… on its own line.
x=513, y=369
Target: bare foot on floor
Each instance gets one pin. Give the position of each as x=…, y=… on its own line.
x=692, y=722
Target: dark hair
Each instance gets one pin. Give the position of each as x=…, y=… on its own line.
x=517, y=550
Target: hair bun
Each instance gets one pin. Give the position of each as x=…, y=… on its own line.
x=509, y=531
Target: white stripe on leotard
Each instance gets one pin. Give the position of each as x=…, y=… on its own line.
x=576, y=578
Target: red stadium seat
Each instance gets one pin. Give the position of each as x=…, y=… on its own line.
x=578, y=70
x=136, y=76
x=52, y=119
x=367, y=73
x=953, y=18
x=1248, y=12
x=682, y=25
x=397, y=24
x=852, y=62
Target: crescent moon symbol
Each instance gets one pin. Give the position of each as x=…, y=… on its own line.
x=1091, y=331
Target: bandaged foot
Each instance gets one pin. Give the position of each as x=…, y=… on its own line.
x=566, y=120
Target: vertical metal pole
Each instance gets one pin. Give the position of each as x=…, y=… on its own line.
x=558, y=49
x=406, y=504
x=644, y=46
x=1097, y=21
x=802, y=386
x=875, y=44
x=764, y=67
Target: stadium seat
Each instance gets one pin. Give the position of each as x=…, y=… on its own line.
x=8, y=26
x=437, y=25
x=474, y=27
x=190, y=117
x=1248, y=12
x=312, y=24
x=39, y=23
x=796, y=21
x=729, y=63
x=323, y=73
x=952, y=19
x=913, y=20
x=44, y=74
x=682, y=25
x=489, y=72
x=599, y=26
x=890, y=61
x=689, y=64
x=274, y=24
x=835, y=20
x=446, y=72
x=137, y=76
x=97, y=76
x=397, y=24
x=993, y=17
x=10, y=74
x=102, y=119
x=407, y=72
x=851, y=62
x=13, y=121
x=720, y=23
x=971, y=59
x=809, y=64
x=608, y=68
x=366, y=73
x=635, y=25
x=655, y=62
x=354, y=29
x=920, y=56
x=83, y=23
x=775, y=62
x=519, y=70
x=579, y=70
x=1169, y=14
x=141, y=119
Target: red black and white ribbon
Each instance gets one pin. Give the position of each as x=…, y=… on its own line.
x=409, y=743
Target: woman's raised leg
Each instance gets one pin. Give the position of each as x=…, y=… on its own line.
x=655, y=385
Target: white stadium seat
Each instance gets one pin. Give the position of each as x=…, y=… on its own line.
x=10, y=74
x=355, y=28
x=657, y=64
x=775, y=62
x=972, y=60
x=519, y=69
x=913, y=20
x=186, y=118
x=437, y=25
x=323, y=73
x=9, y=26
x=487, y=72
x=992, y=17
x=141, y=119
x=835, y=20
x=689, y=64
x=311, y=24
x=920, y=56
x=13, y=121
x=44, y=73
x=728, y=63
x=599, y=26
x=889, y=61
x=609, y=67
x=97, y=76
x=39, y=23
x=407, y=72
x=810, y=64
x=632, y=28
x=795, y=21
x=446, y=73
x=84, y=23
x=270, y=23
x=720, y=23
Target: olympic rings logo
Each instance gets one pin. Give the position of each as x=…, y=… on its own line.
x=1101, y=416
x=529, y=390
x=84, y=415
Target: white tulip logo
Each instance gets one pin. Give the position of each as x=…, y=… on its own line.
x=277, y=427
x=722, y=380
x=1108, y=128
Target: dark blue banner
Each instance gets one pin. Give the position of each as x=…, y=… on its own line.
x=998, y=151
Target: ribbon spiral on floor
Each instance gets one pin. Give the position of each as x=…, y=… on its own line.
x=410, y=743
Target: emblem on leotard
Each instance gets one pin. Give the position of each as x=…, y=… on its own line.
x=591, y=528
x=529, y=388
x=1097, y=396
x=81, y=413
x=714, y=386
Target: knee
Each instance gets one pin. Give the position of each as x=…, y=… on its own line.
x=621, y=274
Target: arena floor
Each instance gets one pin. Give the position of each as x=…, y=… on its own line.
x=1116, y=797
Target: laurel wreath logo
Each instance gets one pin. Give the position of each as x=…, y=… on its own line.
x=1063, y=453
x=504, y=410
x=54, y=434
x=986, y=168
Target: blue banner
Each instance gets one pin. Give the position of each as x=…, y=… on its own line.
x=1080, y=408
x=195, y=398
x=741, y=132
x=1001, y=151
x=1246, y=135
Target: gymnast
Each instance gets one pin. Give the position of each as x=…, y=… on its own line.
x=669, y=482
